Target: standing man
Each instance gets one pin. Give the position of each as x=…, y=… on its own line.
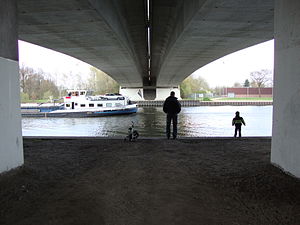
x=171, y=107
x=237, y=121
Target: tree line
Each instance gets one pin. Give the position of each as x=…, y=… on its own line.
x=38, y=85
x=258, y=79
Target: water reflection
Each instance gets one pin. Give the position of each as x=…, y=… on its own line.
x=192, y=122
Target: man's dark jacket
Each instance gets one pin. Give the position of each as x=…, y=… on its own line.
x=171, y=105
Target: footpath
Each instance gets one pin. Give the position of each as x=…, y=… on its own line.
x=209, y=181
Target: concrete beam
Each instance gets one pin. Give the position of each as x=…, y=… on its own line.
x=286, y=108
x=8, y=29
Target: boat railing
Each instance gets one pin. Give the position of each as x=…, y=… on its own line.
x=105, y=98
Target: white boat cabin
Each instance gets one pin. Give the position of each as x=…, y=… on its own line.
x=83, y=99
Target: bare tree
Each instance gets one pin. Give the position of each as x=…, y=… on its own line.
x=101, y=83
x=260, y=78
x=25, y=72
x=35, y=84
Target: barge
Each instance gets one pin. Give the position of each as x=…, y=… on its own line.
x=81, y=103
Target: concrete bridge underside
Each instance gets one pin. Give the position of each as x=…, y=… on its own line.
x=184, y=35
x=112, y=34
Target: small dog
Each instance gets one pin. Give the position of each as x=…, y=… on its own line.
x=132, y=133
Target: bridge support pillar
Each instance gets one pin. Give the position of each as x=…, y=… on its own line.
x=135, y=94
x=11, y=143
x=140, y=94
x=163, y=93
x=286, y=110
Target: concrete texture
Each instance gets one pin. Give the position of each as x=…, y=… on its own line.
x=8, y=29
x=163, y=93
x=210, y=181
x=199, y=32
x=286, y=123
x=111, y=34
x=132, y=93
x=11, y=143
x=92, y=31
x=160, y=94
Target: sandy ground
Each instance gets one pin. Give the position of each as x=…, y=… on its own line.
x=152, y=181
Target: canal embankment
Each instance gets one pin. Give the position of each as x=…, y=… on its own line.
x=188, y=181
x=187, y=103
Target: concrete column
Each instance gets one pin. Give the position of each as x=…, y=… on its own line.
x=11, y=144
x=134, y=94
x=163, y=93
x=286, y=112
x=137, y=94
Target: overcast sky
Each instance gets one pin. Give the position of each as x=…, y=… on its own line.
x=225, y=71
x=50, y=61
x=237, y=66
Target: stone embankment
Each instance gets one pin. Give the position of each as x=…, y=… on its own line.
x=205, y=103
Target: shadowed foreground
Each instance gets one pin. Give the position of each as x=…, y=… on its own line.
x=152, y=181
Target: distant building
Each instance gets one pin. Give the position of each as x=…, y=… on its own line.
x=201, y=95
x=247, y=92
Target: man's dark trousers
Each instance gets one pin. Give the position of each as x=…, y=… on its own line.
x=173, y=118
x=238, y=130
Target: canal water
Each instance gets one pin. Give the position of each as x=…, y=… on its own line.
x=202, y=121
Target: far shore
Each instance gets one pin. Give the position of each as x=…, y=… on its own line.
x=159, y=103
x=193, y=102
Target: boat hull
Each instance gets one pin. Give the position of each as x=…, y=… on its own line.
x=78, y=114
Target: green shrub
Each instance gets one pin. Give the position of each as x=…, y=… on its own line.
x=206, y=99
x=24, y=97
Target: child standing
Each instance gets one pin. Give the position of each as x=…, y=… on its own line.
x=237, y=121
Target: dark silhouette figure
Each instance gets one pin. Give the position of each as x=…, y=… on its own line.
x=171, y=107
x=237, y=121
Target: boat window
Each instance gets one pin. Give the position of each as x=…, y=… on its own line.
x=76, y=103
x=91, y=105
x=99, y=105
x=82, y=105
x=82, y=93
x=118, y=104
x=68, y=105
x=75, y=93
x=108, y=104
